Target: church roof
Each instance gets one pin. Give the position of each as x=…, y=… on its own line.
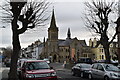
x=66, y=42
x=83, y=43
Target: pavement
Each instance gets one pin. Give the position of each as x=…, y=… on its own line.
x=3, y=72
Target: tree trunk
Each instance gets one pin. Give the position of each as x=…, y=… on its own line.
x=107, y=54
x=12, y=75
x=118, y=45
x=119, y=55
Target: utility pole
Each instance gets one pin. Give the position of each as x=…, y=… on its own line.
x=119, y=33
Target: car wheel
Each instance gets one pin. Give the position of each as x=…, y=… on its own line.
x=106, y=78
x=73, y=73
x=90, y=76
x=81, y=75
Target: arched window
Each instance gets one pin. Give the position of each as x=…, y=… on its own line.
x=102, y=56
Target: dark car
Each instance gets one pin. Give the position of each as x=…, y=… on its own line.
x=84, y=60
x=8, y=62
x=81, y=69
x=36, y=70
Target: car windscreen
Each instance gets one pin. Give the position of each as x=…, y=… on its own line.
x=85, y=66
x=111, y=68
x=37, y=65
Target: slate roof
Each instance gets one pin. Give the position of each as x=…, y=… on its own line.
x=66, y=42
x=83, y=43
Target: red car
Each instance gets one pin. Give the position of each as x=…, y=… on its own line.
x=36, y=70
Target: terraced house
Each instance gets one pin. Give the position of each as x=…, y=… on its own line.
x=98, y=53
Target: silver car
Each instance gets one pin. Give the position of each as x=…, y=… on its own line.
x=104, y=71
x=118, y=66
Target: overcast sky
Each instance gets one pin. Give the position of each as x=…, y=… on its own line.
x=68, y=14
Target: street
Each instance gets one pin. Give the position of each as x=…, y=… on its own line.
x=62, y=73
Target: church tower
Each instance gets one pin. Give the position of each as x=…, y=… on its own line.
x=53, y=30
x=53, y=39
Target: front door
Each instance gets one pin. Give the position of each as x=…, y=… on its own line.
x=54, y=58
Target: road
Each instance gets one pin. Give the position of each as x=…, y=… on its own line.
x=62, y=73
x=65, y=74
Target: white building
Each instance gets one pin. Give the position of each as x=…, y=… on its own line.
x=32, y=51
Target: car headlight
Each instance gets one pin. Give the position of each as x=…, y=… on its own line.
x=113, y=74
x=29, y=75
x=53, y=74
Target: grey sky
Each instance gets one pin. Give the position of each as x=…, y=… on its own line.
x=68, y=15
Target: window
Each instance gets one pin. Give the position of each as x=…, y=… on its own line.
x=66, y=56
x=110, y=67
x=66, y=50
x=77, y=65
x=24, y=65
x=100, y=67
x=101, y=50
x=111, y=45
x=95, y=66
x=37, y=65
x=102, y=56
x=85, y=55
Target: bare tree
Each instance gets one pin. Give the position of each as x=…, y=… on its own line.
x=30, y=15
x=99, y=18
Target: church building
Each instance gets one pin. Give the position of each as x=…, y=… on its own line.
x=60, y=50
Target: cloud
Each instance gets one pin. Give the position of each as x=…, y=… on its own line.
x=68, y=14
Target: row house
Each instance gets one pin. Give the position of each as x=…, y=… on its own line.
x=32, y=51
x=98, y=52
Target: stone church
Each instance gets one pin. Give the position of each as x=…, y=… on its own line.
x=60, y=50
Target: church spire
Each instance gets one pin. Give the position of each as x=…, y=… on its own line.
x=53, y=21
x=69, y=34
x=44, y=41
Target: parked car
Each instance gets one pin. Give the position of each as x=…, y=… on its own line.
x=7, y=62
x=81, y=69
x=118, y=66
x=101, y=61
x=84, y=60
x=47, y=60
x=104, y=71
x=36, y=70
